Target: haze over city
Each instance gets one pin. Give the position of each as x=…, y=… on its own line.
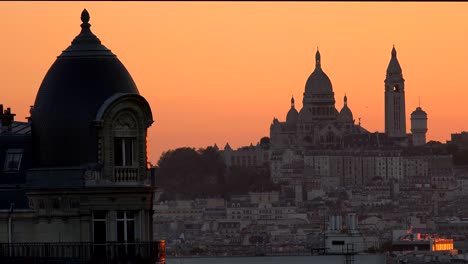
x=217, y=72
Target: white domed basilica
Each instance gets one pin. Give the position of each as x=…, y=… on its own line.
x=318, y=124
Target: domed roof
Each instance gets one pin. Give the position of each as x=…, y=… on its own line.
x=418, y=113
x=292, y=115
x=76, y=85
x=318, y=82
x=345, y=114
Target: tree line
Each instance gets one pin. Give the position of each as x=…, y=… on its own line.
x=189, y=173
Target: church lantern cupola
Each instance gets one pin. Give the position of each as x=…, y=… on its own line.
x=293, y=115
x=419, y=126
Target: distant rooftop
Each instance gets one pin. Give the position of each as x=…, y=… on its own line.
x=17, y=128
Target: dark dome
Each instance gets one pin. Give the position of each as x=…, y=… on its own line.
x=419, y=113
x=77, y=84
x=292, y=116
x=345, y=114
x=318, y=82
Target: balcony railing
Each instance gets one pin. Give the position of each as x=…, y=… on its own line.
x=125, y=174
x=83, y=253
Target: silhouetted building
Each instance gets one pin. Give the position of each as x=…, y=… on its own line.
x=395, y=119
x=319, y=147
x=78, y=171
x=419, y=126
x=248, y=156
x=459, y=139
x=318, y=124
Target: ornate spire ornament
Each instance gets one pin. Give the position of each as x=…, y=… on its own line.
x=86, y=43
x=317, y=59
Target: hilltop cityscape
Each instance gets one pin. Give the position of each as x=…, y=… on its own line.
x=76, y=185
x=328, y=180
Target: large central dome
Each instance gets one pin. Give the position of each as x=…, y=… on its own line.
x=318, y=82
x=76, y=85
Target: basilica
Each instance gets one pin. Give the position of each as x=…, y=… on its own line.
x=319, y=125
x=318, y=122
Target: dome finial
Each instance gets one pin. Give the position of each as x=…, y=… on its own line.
x=292, y=101
x=317, y=59
x=85, y=16
x=86, y=40
x=393, y=51
x=345, y=99
x=85, y=26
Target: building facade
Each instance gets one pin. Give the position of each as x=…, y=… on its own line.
x=77, y=171
x=321, y=148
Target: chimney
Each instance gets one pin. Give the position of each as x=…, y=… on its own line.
x=6, y=118
x=31, y=108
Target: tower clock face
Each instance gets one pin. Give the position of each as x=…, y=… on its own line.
x=396, y=89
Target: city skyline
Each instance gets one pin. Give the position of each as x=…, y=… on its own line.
x=220, y=72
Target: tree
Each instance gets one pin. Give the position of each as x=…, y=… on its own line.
x=185, y=173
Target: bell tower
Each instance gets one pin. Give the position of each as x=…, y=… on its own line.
x=395, y=121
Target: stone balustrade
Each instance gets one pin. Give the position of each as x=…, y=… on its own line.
x=125, y=174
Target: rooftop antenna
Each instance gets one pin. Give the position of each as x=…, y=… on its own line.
x=359, y=121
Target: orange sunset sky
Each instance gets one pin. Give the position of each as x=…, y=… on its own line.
x=217, y=72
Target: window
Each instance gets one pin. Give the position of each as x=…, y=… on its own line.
x=337, y=242
x=126, y=231
x=13, y=159
x=41, y=204
x=99, y=227
x=55, y=203
x=99, y=232
x=124, y=151
x=73, y=203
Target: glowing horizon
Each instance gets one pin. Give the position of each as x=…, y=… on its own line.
x=217, y=72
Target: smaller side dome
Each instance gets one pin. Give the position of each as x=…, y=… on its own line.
x=418, y=113
x=345, y=114
x=293, y=115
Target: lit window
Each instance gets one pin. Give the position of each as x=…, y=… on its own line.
x=13, y=159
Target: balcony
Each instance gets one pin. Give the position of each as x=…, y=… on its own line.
x=125, y=174
x=84, y=253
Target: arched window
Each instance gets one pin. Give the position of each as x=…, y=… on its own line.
x=125, y=140
x=122, y=123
